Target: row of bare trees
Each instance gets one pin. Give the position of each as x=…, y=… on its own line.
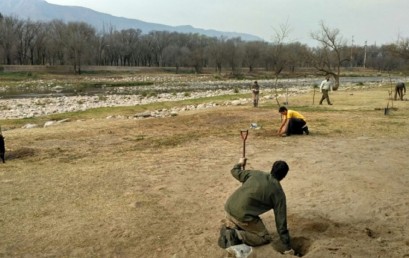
x=25, y=42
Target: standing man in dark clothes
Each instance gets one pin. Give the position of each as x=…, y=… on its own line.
x=400, y=89
x=255, y=89
x=259, y=193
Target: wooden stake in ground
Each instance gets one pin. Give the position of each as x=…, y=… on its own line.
x=315, y=86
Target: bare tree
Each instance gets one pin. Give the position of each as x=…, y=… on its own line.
x=26, y=41
x=390, y=57
x=252, y=52
x=56, y=50
x=176, y=56
x=278, y=48
x=197, y=46
x=400, y=52
x=402, y=48
x=215, y=52
x=329, y=58
x=9, y=29
x=233, y=54
x=128, y=44
x=278, y=53
x=158, y=40
x=79, y=40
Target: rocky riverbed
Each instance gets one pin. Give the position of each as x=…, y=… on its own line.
x=35, y=107
x=29, y=107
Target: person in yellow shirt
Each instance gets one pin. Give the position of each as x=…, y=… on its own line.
x=292, y=123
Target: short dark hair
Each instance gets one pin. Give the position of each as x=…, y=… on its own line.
x=282, y=109
x=279, y=170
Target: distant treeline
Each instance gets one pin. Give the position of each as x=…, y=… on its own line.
x=54, y=43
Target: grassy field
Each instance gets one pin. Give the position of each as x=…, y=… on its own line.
x=96, y=187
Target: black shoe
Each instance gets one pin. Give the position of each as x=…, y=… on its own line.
x=232, y=238
x=222, y=241
x=228, y=237
x=305, y=129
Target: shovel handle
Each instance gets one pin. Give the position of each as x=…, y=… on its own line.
x=244, y=134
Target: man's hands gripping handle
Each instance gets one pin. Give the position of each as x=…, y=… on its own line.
x=242, y=162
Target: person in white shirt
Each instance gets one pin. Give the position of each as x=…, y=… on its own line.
x=325, y=87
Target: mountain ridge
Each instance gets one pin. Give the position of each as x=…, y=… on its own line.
x=41, y=10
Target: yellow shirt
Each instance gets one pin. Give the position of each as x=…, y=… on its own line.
x=294, y=114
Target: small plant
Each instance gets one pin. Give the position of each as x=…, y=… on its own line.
x=102, y=98
x=186, y=94
x=152, y=94
x=139, y=138
x=236, y=90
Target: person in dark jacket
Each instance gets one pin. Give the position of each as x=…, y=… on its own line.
x=259, y=193
x=400, y=90
x=255, y=89
x=2, y=148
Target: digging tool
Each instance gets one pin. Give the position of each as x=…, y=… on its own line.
x=244, y=134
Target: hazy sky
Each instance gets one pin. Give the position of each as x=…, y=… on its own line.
x=375, y=21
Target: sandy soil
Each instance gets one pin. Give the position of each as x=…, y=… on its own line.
x=123, y=188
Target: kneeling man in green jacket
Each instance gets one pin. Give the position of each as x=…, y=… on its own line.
x=259, y=193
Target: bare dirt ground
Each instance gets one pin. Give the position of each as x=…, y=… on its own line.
x=156, y=187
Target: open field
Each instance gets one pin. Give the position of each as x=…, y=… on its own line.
x=97, y=187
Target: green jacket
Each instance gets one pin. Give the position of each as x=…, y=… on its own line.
x=259, y=193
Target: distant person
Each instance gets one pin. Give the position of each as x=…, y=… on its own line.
x=259, y=193
x=255, y=88
x=292, y=122
x=2, y=148
x=325, y=87
x=400, y=89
